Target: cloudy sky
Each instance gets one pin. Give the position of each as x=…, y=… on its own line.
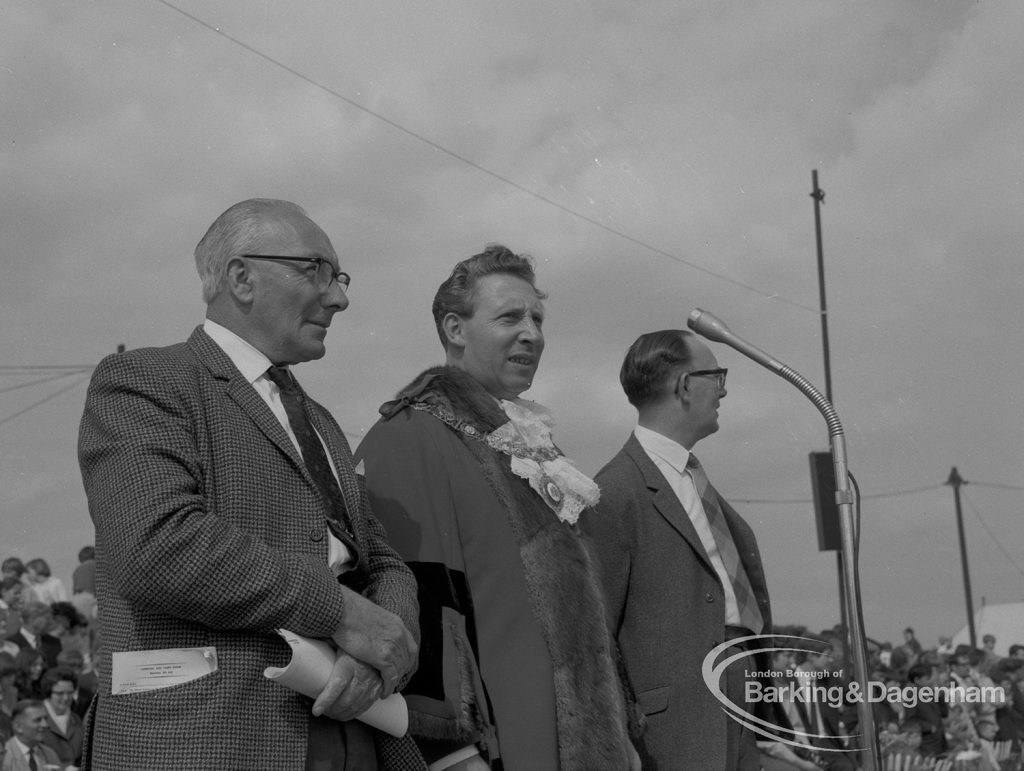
x=652, y=156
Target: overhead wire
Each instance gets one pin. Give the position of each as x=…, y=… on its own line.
x=23, y=369
x=39, y=381
x=996, y=485
x=864, y=496
x=995, y=539
x=479, y=167
x=45, y=399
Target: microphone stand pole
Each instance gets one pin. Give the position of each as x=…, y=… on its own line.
x=819, y=199
x=705, y=324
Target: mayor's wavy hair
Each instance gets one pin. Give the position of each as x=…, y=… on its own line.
x=650, y=361
x=458, y=292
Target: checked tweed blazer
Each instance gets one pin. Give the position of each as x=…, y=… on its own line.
x=210, y=532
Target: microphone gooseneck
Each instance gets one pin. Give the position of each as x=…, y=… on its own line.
x=710, y=326
x=707, y=325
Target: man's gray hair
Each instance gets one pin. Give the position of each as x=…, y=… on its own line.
x=236, y=231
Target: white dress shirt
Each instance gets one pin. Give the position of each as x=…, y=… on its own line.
x=253, y=365
x=671, y=458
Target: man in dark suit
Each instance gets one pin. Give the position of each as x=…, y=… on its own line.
x=680, y=567
x=226, y=507
x=36, y=621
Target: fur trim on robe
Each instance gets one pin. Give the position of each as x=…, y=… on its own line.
x=563, y=587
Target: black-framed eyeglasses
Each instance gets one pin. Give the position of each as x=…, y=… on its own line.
x=325, y=272
x=719, y=374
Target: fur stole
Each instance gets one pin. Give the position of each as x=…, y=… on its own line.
x=564, y=591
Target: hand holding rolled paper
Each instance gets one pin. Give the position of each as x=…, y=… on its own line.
x=309, y=670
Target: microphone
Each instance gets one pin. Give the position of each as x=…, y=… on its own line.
x=706, y=325
x=709, y=326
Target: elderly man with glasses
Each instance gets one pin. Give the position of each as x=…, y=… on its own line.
x=681, y=569
x=226, y=507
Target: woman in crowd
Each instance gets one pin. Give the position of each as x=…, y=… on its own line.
x=516, y=662
x=30, y=665
x=64, y=733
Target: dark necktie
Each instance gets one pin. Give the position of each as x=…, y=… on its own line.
x=319, y=467
x=33, y=766
x=746, y=602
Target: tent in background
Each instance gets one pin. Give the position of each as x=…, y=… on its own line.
x=1005, y=621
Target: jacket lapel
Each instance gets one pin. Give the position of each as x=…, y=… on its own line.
x=664, y=499
x=239, y=390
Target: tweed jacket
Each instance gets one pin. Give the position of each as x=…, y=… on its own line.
x=667, y=608
x=211, y=532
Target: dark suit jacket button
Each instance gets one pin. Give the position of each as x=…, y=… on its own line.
x=316, y=534
x=709, y=597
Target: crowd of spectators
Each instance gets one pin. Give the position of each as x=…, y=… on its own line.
x=48, y=638
x=947, y=706
x=983, y=716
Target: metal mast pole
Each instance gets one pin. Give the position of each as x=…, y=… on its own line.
x=957, y=481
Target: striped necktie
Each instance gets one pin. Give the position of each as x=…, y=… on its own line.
x=319, y=467
x=750, y=614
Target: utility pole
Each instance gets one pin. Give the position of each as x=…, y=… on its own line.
x=819, y=199
x=957, y=482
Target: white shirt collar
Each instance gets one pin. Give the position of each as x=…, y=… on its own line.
x=669, y=450
x=251, y=362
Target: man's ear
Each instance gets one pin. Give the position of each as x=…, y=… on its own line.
x=454, y=330
x=682, y=388
x=238, y=280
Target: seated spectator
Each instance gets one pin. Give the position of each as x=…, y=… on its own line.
x=11, y=594
x=65, y=616
x=1016, y=651
x=85, y=678
x=900, y=658
x=31, y=666
x=902, y=744
x=83, y=580
x=1009, y=720
x=6, y=646
x=986, y=708
x=25, y=750
x=885, y=654
x=8, y=695
x=777, y=755
x=911, y=643
x=929, y=716
x=988, y=657
x=13, y=567
x=986, y=728
x=36, y=621
x=42, y=586
x=64, y=732
x=885, y=711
